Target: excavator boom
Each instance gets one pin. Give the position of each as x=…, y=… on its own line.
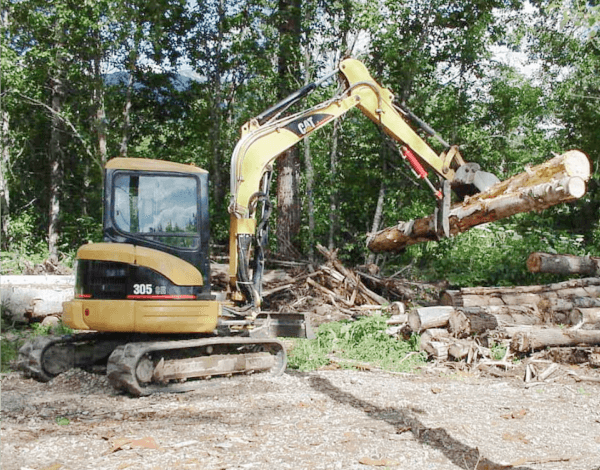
x=265, y=137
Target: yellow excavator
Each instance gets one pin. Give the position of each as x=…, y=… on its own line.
x=143, y=301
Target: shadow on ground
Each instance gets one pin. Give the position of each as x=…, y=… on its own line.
x=405, y=419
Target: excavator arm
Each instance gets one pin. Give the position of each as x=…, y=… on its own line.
x=267, y=136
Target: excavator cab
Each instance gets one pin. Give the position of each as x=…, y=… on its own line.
x=159, y=205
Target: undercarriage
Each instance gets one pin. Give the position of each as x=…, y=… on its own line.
x=143, y=364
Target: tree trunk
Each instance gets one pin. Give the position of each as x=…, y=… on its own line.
x=466, y=321
x=4, y=161
x=561, y=179
x=216, y=147
x=288, y=203
x=127, y=115
x=308, y=163
x=131, y=69
x=288, y=165
x=333, y=195
x=310, y=184
x=4, y=189
x=563, y=264
x=561, y=296
x=378, y=217
x=100, y=106
x=56, y=151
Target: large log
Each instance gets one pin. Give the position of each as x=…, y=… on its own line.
x=561, y=179
x=466, y=321
x=563, y=264
x=524, y=339
x=35, y=297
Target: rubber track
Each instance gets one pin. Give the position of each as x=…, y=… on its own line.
x=32, y=355
x=122, y=363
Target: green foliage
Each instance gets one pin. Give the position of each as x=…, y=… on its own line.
x=498, y=351
x=11, y=340
x=433, y=54
x=364, y=340
x=44, y=330
x=8, y=353
x=22, y=233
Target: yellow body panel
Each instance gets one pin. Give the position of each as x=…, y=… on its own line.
x=175, y=269
x=149, y=316
x=196, y=316
x=72, y=315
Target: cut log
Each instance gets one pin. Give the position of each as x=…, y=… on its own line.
x=436, y=349
x=433, y=334
x=528, y=339
x=549, y=298
x=466, y=321
x=563, y=264
x=588, y=316
x=424, y=318
x=561, y=179
x=459, y=350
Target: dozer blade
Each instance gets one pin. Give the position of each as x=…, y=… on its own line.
x=469, y=179
x=290, y=325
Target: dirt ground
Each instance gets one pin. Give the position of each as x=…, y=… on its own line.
x=331, y=419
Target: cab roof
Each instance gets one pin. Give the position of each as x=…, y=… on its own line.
x=145, y=164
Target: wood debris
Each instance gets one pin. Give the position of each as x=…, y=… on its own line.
x=331, y=291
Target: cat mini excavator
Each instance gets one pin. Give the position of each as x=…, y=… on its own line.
x=143, y=298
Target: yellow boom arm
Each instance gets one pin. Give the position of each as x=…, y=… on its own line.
x=260, y=144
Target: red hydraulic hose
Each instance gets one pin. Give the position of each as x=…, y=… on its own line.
x=419, y=170
x=414, y=162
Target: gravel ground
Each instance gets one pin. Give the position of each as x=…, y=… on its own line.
x=333, y=419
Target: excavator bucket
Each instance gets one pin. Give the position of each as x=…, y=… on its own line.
x=469, y=179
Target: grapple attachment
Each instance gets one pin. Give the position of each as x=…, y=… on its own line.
x=469, y=179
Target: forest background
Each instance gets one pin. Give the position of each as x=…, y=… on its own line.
x=510, y=82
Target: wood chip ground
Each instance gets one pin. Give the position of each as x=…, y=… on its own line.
x=335, y=419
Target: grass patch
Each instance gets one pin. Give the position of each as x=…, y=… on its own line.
x=11, y=340
x=364, y=341
x=14, y=336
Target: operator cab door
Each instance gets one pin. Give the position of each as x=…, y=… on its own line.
x=163, y=210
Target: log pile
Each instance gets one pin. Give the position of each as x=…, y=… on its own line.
x=487, y=325
x=480, y=328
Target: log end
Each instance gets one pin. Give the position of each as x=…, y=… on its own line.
x=577, y=163
x=534, y=263
x=576, y=187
